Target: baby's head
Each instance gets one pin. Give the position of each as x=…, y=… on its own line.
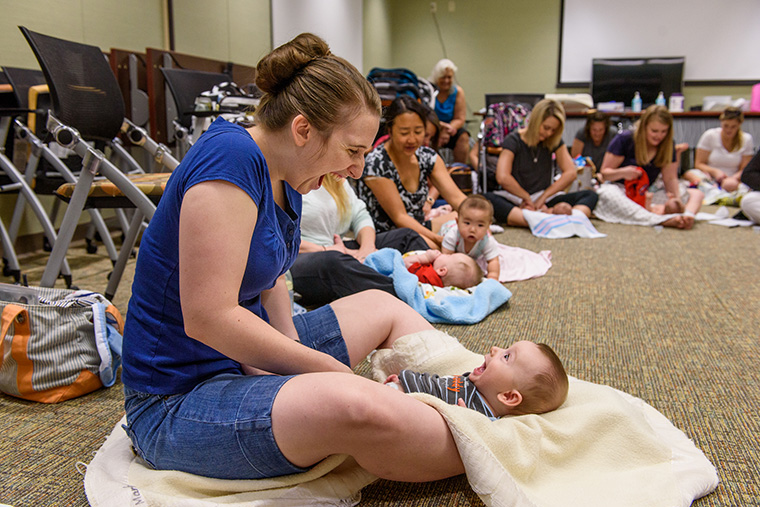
x=562, y=208
x=526, y=378
x=674, y=205
x=474, y=217
x=458, y=270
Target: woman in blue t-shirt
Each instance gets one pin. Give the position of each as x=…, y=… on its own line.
x=220, y=379
x=650, y=147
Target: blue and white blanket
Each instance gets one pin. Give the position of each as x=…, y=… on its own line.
x=546, y=225
x=439, y=304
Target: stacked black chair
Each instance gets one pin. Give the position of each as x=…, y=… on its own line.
x=88, y=108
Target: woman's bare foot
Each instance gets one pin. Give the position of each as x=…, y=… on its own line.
x=684, y=222
x=675, y=222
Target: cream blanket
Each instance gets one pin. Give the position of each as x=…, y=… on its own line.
x=602, y=447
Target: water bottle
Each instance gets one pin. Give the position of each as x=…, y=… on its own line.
x=636, y=103
x=660, y=100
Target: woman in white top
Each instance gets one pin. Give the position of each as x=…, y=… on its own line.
x=327, y=267
x=722, y=153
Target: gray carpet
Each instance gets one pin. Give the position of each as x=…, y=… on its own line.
x=672, y=317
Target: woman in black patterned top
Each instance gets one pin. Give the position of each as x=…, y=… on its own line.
x=395, y=180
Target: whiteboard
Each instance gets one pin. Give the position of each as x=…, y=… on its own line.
x=339, y=22
x=719, y=38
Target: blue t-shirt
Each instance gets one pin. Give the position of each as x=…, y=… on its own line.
x=445, y=110
x=158, y=357
x=624, y=145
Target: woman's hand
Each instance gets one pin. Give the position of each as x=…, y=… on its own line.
x=448, y=128
x=338, y=245
x=719, y=176
x=629, y=172
x=527, y=203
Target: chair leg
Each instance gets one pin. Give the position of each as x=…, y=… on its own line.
x=130, y=239
x=69, y=224
x=27, y=195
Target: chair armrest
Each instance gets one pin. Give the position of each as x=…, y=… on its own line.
x=34, y=93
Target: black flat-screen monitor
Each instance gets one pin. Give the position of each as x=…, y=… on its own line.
x=618, y=79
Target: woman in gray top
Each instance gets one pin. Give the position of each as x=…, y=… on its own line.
x=525, y=170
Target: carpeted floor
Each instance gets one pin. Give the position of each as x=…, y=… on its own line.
x=672, y=317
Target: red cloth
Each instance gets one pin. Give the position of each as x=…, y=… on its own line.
x=636, y=189
x=426, y=274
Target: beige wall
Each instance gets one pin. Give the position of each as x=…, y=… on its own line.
x=378, y=32
x=230, y=30
x=132, y=25
x=500, y=46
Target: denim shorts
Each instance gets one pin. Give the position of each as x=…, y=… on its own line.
x=223, y=427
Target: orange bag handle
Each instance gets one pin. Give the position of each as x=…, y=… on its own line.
x=10, y=312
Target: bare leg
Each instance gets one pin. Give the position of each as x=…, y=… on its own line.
x=583, y=209
x=516, y=218
x=390, y=434
x=374, y=319
x=462, y=149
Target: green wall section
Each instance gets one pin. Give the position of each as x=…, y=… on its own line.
x=499, y=46
x=132, y=25
x=229, y=30
x=377, y=35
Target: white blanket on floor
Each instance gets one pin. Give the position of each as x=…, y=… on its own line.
x=517, y=264
x=616, y=208
x=601, y=448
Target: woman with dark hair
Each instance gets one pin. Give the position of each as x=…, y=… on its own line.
x=525, y=170
x=219, y=378
x=395, y=181
x=592, y=140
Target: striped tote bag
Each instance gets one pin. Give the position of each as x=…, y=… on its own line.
x=57, y=344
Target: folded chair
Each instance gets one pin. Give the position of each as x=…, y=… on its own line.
x=88, y=108
x=44, y=171
x=21, y=80
x=185, y=85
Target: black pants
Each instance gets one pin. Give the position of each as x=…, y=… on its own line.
x=322, y=277
x=502, y=206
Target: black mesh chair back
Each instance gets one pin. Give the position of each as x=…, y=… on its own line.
x=186, y=84
x=21, y=80
x=84, y=91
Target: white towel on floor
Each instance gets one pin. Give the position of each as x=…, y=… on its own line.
x=546, y=225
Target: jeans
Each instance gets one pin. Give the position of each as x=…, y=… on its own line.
x=223, y=427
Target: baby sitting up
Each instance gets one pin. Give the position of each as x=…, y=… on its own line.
x=526, y=378
x=444, y=270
